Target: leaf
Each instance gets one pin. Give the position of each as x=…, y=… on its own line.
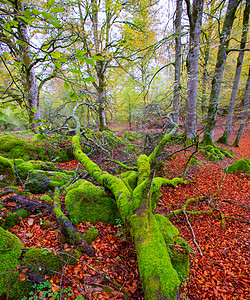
x=98, y=57
x=73, y=96
x=50, y=3
x=57, y=9
x=36, y=12
x=56, y=54
x=90, y=61
x=22, y=277
x=89, y=79
x=58, y=65
x=31, y=222
x=55, y=288
x=66, y=85
x=29, y=234
x=75, y=71
x=48, y=16
x=80, y=52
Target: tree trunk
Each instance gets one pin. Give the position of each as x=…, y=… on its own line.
x=177, y=75
x=245, y=113
x=28, y=75
x=207, y=33
x=161, y=266
x=227, y=131
x=195, y=19
x=219, y=69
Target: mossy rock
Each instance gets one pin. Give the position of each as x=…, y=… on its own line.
x=24, y=167
x=39, y=182
x=13, y=218
x=41, y=149
x=7, y=173
x=42, y=261
x=86, y=202
x=242, y=164
x=20, y=149
x=46, y=198
x=10, y=253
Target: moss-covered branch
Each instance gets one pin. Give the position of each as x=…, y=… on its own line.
x=123, y=166
x=69, y=227
x=163, y=142
x=161, y=267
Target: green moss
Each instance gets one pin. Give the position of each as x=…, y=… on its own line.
x=153, y=258
x=13, y=219
x=168, y=230
x=42, y=261
x=7, y=173
x=39, y=181
x=46, y=198
x=179, y=254
x=214, y=152
x=143, y=168
x=86, y=202
x=130, y=179
x=10, y=252
x=194, y=162
x=90, y=235
x=242, y=164
x=39, y=136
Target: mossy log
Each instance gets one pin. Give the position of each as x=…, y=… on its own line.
x=136, y=200
x=69, y=227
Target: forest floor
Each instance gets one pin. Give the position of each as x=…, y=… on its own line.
x=218, y=270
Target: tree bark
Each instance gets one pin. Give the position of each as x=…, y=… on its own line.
x=219, y=69
x=195, y=20
x=245, y=113
x=28, y=74
x=224, y=138
x=159, y=268
x=177, y=75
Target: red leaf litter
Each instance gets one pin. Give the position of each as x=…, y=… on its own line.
x=221, y=272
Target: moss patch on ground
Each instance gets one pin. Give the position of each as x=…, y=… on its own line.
x=10, y=253
x=242, y=164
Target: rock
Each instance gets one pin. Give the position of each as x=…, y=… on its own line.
x=7, y=173
x=39, y=182
x=86, y=202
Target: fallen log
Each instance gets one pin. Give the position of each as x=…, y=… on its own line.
x=163, y=258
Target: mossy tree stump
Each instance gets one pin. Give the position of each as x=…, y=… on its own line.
x=162, y=266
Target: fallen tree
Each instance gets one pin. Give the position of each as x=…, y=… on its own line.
x=163, y=256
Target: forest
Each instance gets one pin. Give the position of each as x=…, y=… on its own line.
x=124, y=149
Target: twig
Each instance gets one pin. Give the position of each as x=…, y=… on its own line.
x=192, y=232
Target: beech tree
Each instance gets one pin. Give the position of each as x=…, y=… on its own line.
x=177, y=75
x=15, y=38
x=195, y=19
x=245, y=29
x=245, y=112
x=218, y=73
